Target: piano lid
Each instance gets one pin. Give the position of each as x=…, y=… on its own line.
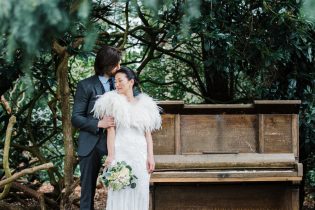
x=258, y=107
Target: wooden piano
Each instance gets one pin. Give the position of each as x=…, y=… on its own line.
x=227, y=156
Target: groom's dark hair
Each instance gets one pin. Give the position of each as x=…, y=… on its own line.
x=106, y=59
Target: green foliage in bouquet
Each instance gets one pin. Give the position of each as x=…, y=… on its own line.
x=119, y=176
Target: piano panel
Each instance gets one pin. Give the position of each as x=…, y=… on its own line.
x=219, y=133
x=164, y=139
x=245, y=196
x=277, y=133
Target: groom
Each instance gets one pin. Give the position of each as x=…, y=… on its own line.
x=92, y=137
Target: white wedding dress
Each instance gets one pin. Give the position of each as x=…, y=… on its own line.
x=132, y=120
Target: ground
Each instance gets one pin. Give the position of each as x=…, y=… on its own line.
x=17, y=202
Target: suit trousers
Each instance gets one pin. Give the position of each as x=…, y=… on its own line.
x=89, y=168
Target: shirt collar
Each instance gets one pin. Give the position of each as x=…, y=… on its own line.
x=104, y=79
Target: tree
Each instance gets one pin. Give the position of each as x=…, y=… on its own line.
x=36, y=28
x=202, y=51
x=223, y=52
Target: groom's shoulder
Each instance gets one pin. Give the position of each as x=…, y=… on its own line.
x=89, y=80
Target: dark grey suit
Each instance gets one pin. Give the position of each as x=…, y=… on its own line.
x=92, y=141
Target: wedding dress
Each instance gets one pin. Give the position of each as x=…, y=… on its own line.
x=132, y=120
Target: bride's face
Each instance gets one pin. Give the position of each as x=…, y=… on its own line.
x=123, y=85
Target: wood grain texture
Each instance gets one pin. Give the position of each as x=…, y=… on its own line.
x=219, y=133
x=219, y=161
x=278, y=133
x=228, y=180
x=178, y=144
x=223, y=174
x=261, y=144
x=223, y=197
x=294, y=197
x=164, y=139
x=225, y=161
x=295, y=133
x=280, y=102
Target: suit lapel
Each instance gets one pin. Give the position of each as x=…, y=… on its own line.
x=99, y=89
x=114, y=84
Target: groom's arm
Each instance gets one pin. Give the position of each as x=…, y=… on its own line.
x=79, y=117
x=80, y=113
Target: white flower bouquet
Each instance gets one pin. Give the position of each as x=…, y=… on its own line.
x=119, y=176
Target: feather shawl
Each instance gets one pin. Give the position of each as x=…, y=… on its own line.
x=144, y=114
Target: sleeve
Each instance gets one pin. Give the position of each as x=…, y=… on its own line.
x=114, y=105
x=153, y=118
x=79, y=117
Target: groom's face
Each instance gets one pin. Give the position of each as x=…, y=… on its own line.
x=113, y=71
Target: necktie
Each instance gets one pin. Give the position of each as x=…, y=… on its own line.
x=111, y=83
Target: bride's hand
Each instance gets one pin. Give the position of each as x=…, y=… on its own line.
x=108, y=161
x=150, y=165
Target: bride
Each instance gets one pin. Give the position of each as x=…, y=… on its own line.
x=131, y=140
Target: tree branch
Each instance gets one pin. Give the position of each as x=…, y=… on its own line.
x=58, y=48
x=141, y=16
x=29, y=115
x=38, y=195
x=124, y=41
x=171, y=83
x=5, y=105
x=171, y=52
x=146, y=60
x=6, y=149
x=24, y=172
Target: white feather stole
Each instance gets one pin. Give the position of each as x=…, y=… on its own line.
x=144, y=114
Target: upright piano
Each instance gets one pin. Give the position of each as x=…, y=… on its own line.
x=227, y=156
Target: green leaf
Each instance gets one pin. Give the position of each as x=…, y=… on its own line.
x=133, y=185
x=84, y=9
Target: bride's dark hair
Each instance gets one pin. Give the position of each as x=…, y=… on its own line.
x=130, y=75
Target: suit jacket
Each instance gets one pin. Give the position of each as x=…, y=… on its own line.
x=82, y=118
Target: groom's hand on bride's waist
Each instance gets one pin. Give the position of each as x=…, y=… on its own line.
x=106, y=122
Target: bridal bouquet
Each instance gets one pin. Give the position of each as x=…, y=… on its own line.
x=119, y=176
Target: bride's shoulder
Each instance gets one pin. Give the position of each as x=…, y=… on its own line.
x=147, y=101
x=111, y=104
x=150, y=112
x=145, y=98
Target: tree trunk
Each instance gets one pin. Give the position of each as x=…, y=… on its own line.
x=216, y=80
x=6, y=149
x=64, y=98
